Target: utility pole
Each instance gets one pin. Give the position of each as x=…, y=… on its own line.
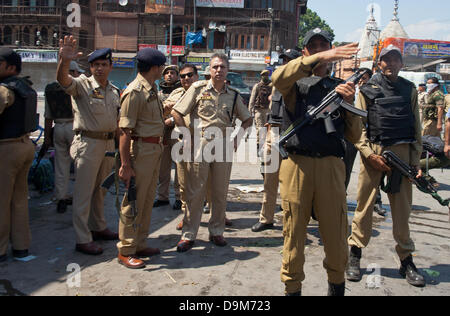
x=195, y=15
x=271, y=34
x=171, y=32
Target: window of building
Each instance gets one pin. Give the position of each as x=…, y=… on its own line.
x=84, y=39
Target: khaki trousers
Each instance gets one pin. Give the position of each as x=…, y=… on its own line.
x=271, y=184
x=17, y=157
x=92, y=167
x=430, y=128
x=369, y=181
x=164, y=175
x=196, y=187
x=306, y=183
x=62, y=138
x=260, y=121
x=146, y=159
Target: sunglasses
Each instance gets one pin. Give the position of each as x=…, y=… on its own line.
x=187, y=75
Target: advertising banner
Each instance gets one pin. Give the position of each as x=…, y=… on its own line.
x=163, y=6
x=427, y=49
x=38, y=56
x=220, y=3
x=165, y=49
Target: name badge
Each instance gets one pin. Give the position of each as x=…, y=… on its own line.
x=206, y=96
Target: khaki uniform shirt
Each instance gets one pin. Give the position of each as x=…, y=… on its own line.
x=284, y=79
x=141, y=110
x=422, y=99
x=366, y=148
x=254, y=96
x=95, y=109
x=213, y=108
x=6, y=98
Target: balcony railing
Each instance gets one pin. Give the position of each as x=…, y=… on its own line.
x=27, y=10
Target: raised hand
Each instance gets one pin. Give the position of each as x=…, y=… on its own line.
x=68, y=49
x=342, y=52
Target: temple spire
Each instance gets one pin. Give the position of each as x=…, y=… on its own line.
x=395, y=18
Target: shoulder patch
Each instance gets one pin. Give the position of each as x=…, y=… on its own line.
x=200, y=83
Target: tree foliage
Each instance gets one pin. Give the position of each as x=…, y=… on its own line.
x=310, y=21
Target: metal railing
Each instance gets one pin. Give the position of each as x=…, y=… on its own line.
x=24, y=10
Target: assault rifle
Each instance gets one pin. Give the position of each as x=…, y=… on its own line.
x=113, y=178
x=421, y=183
x=330, y=104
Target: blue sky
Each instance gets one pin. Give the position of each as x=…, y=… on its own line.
x=421, y=19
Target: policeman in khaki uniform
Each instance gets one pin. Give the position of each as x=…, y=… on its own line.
x=259, y=104
x=18, y=107
x=96, y=113
x=142, y=128
x=314, y=174
x=271, y=179
x=214, y=104
x=399, y=133
x=58, y=109
x=170, y=83
x=434, y=109
x=188, y=75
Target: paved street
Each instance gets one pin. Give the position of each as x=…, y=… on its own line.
x=248, y=266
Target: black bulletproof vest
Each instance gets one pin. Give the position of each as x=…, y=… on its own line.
x=313, y=139
x=21, y=117
x=276, y=112
x=59, y=102
x=390, y=118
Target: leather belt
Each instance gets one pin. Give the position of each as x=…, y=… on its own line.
x=149, y=140
x=96, y=135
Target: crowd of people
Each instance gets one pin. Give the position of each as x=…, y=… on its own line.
x=91, y=117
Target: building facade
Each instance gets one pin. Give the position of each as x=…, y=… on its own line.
x=34, y=28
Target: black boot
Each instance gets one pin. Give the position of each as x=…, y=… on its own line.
x=299, y=293
x=354, y=268
x=409, y=271
x=336, y=289
x=62, y=206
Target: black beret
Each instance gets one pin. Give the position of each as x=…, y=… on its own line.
x=11, y=57
x=151, y=56
x=105, y=53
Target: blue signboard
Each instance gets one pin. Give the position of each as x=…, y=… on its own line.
x=123, y=62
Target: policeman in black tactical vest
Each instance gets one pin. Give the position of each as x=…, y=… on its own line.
x=314, y=174
x=18, y=118
x=58, y=109
x=393, y=124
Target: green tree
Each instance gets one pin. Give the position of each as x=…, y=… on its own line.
x=310, y=21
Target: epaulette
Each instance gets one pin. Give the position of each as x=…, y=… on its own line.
x=178, y=90
x=117, y=89
x=200, y=83
x=137, y=87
